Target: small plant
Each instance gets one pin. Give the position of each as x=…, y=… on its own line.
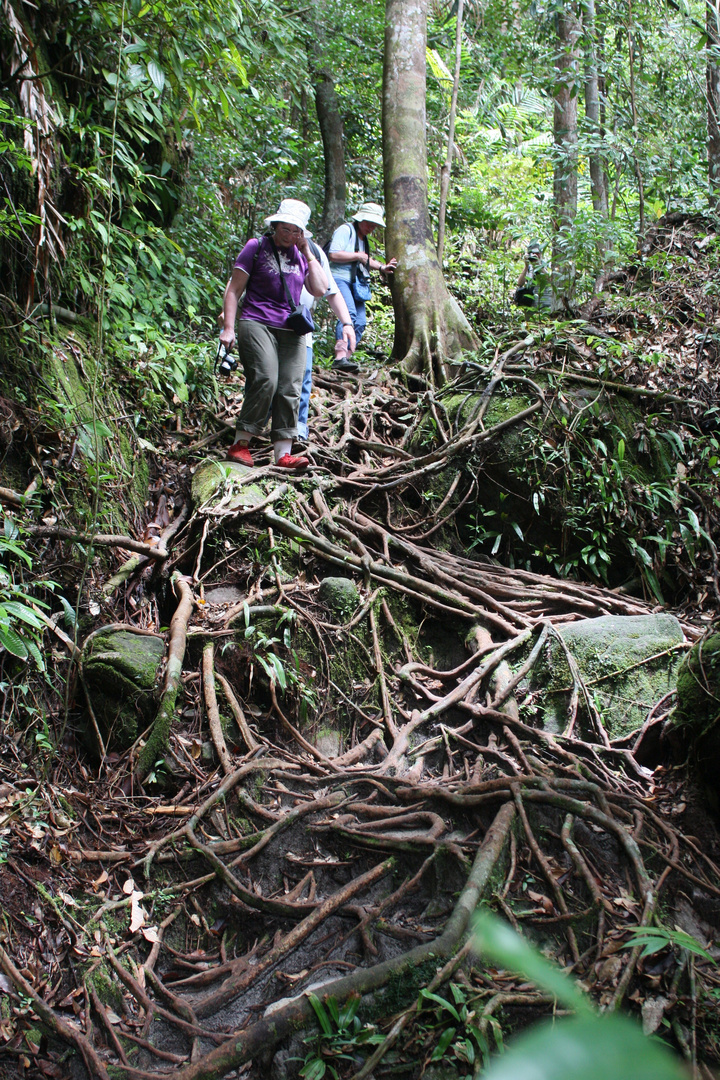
x=656, y=938
x=461, y=1037
x=341, y=1034
x=21, y=629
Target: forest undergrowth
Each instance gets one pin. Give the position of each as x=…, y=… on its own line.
x=288, y=883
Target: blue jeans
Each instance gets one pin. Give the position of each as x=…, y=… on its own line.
x=302, y=425
x=356, y=309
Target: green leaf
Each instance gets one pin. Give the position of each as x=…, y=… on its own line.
x=586, y=1048
x=68, y=610
x=314, y=1070
x=25, y=614
x=655, y=938
x=427, y=995
x=36, y=655
x=444, y=1041
x=497, y=941
x=157, y=75
x=320, y=1012
x=694, y=521
x=279, y=671
x=12, y=642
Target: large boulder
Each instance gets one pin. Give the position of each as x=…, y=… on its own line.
x=120, y=671
x=627, y=663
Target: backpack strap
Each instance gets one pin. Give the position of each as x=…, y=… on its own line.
x=366, y=248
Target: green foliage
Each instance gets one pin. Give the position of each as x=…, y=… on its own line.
x=655, y=938
x=497, y=941
x=20, y=628
x=341, y=1033
x=280, y=661
x=587, y=1047
x=612, y=484
x=454, y=1030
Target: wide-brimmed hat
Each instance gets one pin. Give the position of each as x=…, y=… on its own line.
x=292, y=212
x=370, y=211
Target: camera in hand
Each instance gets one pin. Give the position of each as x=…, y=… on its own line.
x=225, y=360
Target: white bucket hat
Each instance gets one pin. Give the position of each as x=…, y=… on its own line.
x=370, y=211
x=292, y=212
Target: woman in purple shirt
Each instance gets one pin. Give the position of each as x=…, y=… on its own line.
x=273, y=357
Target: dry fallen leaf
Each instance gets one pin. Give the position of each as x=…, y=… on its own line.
x=653, y=1011
x=137, y=914
x=609, y=969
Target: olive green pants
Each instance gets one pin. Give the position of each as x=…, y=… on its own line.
x=274, y=364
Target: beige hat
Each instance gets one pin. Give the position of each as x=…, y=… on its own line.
x=292, y=212
x=370, y=211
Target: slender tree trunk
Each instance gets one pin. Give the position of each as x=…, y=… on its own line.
x=712, y=22
x=592, y=112
x=633, y=106
x=429, y=325
x=447, y=167
x=566, y=149
x=330, y=124
x=331, y=132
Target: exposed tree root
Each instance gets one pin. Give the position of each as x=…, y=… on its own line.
x=365, y=774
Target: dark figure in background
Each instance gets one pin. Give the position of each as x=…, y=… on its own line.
x=534, y=285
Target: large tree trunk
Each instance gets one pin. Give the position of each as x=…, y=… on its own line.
x=592, y=112
x=712, y=22
x=429, y=325
x=566, y=150
x=331, y=131
x=447, y=167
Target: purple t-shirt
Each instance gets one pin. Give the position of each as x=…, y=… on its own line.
x=265, y=296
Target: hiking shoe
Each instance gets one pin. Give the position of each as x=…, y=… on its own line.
x=239, y=452
x=345, y=366
x=289, y=461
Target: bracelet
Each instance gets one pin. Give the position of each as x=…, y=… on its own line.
x=347, y=324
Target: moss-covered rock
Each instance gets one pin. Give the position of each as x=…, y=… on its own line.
x=627, y=662
x=696, y=719
x=217, y=480
x=339, y=594
x=120, y=670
